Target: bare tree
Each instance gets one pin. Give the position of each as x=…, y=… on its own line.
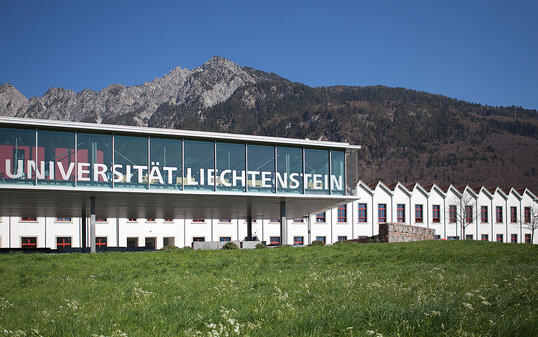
x=466, y=212
x=532, y=224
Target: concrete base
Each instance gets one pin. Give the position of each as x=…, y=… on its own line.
x=249, y=244
x=212, y=245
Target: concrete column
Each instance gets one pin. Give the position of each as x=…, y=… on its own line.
x=249, y=227
x=92, y=224
x=283, y=224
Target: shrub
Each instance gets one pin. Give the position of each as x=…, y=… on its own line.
x=260, y=246
x=230, y=245
x=317, y=243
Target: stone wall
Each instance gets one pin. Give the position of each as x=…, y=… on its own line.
x=398, y=232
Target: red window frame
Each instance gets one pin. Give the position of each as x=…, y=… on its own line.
x=168, y=220
x=527, y=214
x=275, y=220
x=322, y=239
x=342, y=237
x=400, y=213
x=500, y=238
x=274, y=240
x=485, y=237
x=198, y=239
x=381, y=213
x=65, y=219
x=452, y=210
x=26, y=242
x=198, y=220
x=499, y=214
x=363, y=214
x=513, y=238
x=320, y=217
x=101, y=219
x=132, y=220
x=468, y=213
x=513, y=214
x=342, y=213
x=527, y=238
x=225, y=239
x=101, y=241
x=301, y=220
x=436, y=213
x=298, y=240
x=63, y=242
x=484, y=214
x=419, y=213
x=150, y=220
x=225, y=220
x=28, y=219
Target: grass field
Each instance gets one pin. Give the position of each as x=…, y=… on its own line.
x=464, y=288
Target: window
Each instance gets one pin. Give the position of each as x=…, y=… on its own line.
x=198, y=220
x=484, y=237
x=419, y=213
x=150, y=243
x=169, y=220
x=452, y=213
x=274, y=220
x=225, y=239
x=101, y=241
x=513, y=214
x=28, y=242
x=63, y=219
x=169, y=242
x=382, y=212
x=437, y=237
x=453, y=238
x=274, y=240
x=29, y=219
x=298, y=240
x=500, y=238
x=468, y=236
x=97, y=219
x=499, y=214
x=321, y=238
x=150, y=220
x=132, y=220
x=362, y=213
x=342, y=238
x=468, y=214
x=225, y=220
x=484, y=214
x=527, y=213
x=198, y=239
x=63, y=242
x=436, y=214
x=513, y=238
x=527, y=238
x=132, y=242
x=320, y=217
x=342, y=213
x=400, y=212
x=301, y=220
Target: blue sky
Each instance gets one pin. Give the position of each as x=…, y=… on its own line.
x=478, y=51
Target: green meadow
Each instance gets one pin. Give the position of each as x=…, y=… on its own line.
x=432, y=288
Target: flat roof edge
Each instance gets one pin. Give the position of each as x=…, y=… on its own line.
x=169, y=132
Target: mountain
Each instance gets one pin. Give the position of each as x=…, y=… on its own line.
x=406, y=135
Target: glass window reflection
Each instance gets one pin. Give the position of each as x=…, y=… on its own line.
x=199, y=165
x=289, y=169
x=230, y=167
x=94, y=157
x=316, y=175
x=337, y=171
x=130, y=162
x=17, y=148
x=165, y=166
x=56, y=157
x=261, y=159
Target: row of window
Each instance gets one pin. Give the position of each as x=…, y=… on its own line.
x=382, y=215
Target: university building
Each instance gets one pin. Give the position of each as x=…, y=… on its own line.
x=65, y=184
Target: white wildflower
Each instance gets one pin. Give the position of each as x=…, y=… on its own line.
x=468, y=306
x=486, y=303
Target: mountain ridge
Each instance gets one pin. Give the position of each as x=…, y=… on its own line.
x=407, y=135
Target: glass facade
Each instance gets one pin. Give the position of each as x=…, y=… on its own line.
x=107, y=160
x=17, y=156
x=165, y=170
x=199, y=165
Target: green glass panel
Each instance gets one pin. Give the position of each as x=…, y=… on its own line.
x=130, y=162
x=94, y=158
x=17, y=156
x=56, y=158
x=165, y=163
x=261, y=159
x=230, y=167
x=289, y=169
x=317, y=171
x=337, y=171
x=199, y=165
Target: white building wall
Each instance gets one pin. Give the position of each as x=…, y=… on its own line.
x=4, y=231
